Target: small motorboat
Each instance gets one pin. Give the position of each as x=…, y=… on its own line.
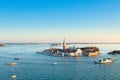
x=13, y=76
x=11, y=64
x=16, y=58
x=105, y=61
x=54, y=63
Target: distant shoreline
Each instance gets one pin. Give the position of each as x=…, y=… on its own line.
x=58, y=43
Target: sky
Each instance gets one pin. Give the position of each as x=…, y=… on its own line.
x=44, y=21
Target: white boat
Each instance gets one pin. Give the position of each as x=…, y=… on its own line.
x=105, y=61
x=13, y=76
x=54, y=63
x=11, y=64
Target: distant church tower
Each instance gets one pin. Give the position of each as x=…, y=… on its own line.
x=64, y=45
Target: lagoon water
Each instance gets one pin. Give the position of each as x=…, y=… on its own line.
x=32, y=66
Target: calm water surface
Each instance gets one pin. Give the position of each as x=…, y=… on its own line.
x=32, y=66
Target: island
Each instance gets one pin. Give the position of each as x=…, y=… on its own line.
x=72, y=51
x=1, y=45
x=114, y=52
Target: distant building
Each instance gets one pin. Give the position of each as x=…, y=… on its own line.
x=78, y=52
x=90, y=51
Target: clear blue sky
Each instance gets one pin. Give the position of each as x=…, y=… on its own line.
x=52, y=20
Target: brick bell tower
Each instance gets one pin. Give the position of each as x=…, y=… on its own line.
x=64, y=45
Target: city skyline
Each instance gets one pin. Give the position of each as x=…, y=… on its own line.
x=43, y=21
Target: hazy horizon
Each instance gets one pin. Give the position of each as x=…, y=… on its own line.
x=61, y=42
x=42, y=21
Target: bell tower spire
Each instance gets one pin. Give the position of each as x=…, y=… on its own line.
x=64, y=45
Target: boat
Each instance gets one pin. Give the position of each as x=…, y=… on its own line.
x=105, y=61
x=16, y=58
x=13, y=76
x=11, y=64
x=54, y=63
